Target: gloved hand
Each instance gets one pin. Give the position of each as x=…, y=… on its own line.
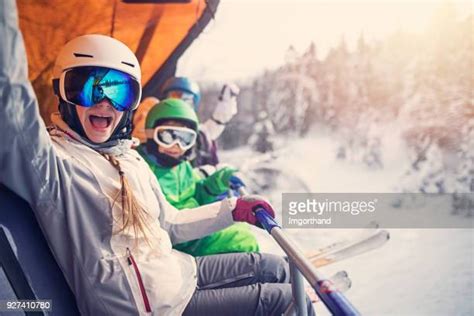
x=246, y=206
x=229, y=91
x=218, y=182
x=226, y=107
x=236, y=182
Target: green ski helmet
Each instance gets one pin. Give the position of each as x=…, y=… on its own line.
x=172, y=109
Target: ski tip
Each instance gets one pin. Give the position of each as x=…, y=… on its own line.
x=385, y=233
x=373, y=224
x=340, y=274
x=349, y=283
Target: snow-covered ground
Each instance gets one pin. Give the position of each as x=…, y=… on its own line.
x=418, y=272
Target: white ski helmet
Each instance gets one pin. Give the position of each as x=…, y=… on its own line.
x=97, y=50
x=101, y=51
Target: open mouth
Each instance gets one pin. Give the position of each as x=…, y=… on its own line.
x=100, y=121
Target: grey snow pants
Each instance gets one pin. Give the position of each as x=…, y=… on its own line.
x=242, y=284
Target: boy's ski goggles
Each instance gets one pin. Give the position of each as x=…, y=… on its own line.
x=87, y=86
x=168, y=136
x=183, y=95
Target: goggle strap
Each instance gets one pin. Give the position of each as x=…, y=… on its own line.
x=56, y=86
x=150, y=133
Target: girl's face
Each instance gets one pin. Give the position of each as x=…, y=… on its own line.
x=99, y=121
x=175, y=151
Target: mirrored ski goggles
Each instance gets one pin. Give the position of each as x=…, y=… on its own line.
x=183, y=95
x=87, y=86
x=168, y=136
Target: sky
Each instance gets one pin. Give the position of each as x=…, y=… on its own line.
x=249, y=36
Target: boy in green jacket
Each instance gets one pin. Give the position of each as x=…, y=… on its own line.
x=171, y=129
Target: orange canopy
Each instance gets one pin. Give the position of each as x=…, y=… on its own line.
x=157, y=33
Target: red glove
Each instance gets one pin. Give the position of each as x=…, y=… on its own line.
x=245, y=209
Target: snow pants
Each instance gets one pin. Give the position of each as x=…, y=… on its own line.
x=242, y=284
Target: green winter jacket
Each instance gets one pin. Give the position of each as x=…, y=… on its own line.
x=184, y=188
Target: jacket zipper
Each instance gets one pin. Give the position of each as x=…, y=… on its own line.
x=131, y=262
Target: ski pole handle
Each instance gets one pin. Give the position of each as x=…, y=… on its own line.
x=266, y=220
x=235, y=183
x=243, y=191
x=261, y=214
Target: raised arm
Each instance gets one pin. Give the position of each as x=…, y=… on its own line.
x=225, y=110
x=25, y=151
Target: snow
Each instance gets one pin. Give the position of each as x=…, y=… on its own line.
x=418, y=272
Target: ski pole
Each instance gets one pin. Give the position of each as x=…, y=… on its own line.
x=332, y=298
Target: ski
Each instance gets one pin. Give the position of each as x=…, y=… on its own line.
x=341, y=281
x=355, y=248
x=370, y=230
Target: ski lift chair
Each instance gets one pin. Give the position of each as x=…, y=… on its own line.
x=28, y=270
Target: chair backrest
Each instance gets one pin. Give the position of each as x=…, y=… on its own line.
x=28, y=270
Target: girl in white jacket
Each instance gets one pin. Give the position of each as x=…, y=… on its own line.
x=101, y=208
